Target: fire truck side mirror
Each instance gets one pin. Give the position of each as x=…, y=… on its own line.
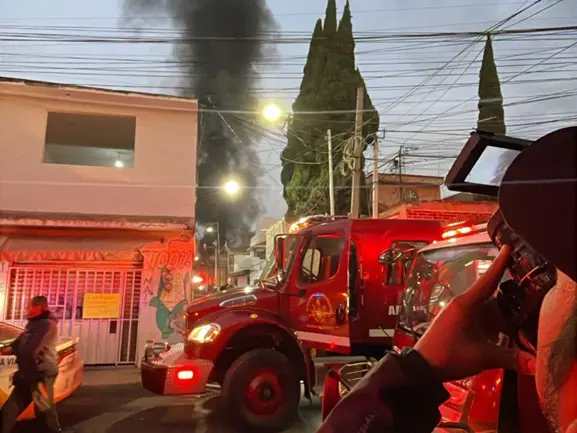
x=279, y=253
x=390, y=256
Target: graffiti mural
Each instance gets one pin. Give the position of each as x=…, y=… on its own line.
x=167, y=282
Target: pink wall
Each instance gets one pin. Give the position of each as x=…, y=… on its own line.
x=160, y=184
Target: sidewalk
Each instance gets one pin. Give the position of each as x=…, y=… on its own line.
x=113, y=375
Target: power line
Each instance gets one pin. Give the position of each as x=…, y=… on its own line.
x=356, y=12
x=54, y=37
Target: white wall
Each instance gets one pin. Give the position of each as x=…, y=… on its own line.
x=160, y=184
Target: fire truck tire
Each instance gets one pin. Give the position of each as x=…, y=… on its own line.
x=261, y=391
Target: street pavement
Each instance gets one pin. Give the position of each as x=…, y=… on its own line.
x=112, y=400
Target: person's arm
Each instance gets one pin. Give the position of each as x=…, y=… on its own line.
x=35, y=341
x=401, y=393
x=12, y=348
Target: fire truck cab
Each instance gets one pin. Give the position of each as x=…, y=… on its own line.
x=333, y=284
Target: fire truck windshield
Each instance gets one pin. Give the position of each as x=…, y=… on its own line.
x=439, y=275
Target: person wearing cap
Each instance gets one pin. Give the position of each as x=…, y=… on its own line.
x=402, y=393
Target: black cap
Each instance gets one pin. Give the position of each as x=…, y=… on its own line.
x=538, y=198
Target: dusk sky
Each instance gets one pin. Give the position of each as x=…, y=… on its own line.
x=538, y=72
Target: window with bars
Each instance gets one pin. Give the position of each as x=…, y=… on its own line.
x=65, y=290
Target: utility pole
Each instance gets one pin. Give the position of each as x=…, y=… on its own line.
x=331, y=180
x=400, y=160
x=217, y=255
x=376, y=178
x=357, y=155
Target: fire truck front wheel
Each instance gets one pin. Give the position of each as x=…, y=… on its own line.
x=261, y=390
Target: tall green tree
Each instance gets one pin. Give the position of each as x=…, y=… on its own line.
x=491, y=113
x=327, y=100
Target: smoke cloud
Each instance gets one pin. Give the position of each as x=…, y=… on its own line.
x=222, y=74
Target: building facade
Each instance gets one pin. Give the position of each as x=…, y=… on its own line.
x=97, y=197
x=395, y=189
x=246, y=265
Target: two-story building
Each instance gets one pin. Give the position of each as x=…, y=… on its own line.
x=97, y=199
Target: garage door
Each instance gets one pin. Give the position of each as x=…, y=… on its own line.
x=102, y=341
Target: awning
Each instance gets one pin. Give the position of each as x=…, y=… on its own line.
x=240, y=273
x=70, y=249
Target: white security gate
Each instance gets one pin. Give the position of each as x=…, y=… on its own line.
x=102, y=341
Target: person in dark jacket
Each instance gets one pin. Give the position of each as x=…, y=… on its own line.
x=37, y=360
x=402, y=393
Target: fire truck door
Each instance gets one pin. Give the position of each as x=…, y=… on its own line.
x=382, y=309
x=320, y=309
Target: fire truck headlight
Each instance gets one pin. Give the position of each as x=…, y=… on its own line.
x=204, y=333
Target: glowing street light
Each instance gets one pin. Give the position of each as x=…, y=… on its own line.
x=209, y=229
x=272, y=112
x=231, y=187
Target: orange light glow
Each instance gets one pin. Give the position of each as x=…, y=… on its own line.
x=457, y=232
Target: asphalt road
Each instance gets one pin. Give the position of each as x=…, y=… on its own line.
x=112, y=401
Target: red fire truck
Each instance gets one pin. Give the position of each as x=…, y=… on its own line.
x=332, y=286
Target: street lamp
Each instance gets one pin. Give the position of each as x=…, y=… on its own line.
x=232, y=187
x=272, y=112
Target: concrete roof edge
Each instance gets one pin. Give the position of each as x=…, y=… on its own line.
x=45, y=89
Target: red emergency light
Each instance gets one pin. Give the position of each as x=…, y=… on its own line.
x=185, y=375
x=197, y=279
x=462, y=229
x=307, y=221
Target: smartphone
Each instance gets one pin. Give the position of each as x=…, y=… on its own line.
x=532, y=276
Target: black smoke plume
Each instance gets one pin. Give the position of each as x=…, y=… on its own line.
x=222, y=73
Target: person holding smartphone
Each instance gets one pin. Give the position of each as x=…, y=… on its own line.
x=402, y=393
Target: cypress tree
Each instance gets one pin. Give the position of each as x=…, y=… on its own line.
x=330, y=84
x=296, y=158
x=330, y=27
x=491, y=113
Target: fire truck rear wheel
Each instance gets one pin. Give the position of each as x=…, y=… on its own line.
x=261, y=390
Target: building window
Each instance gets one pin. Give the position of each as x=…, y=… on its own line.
x=260, y=254
x=410, y=195
x=90, y=140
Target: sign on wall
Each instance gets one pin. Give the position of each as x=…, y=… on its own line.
x=101, y=306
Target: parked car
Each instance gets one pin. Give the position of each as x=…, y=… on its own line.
x=70, y=365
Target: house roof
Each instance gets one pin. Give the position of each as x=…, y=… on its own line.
x=260, y=244
x=240, y=273
x=242, y=250
x=23, y=85
x=418, y=178
x=63, y=220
